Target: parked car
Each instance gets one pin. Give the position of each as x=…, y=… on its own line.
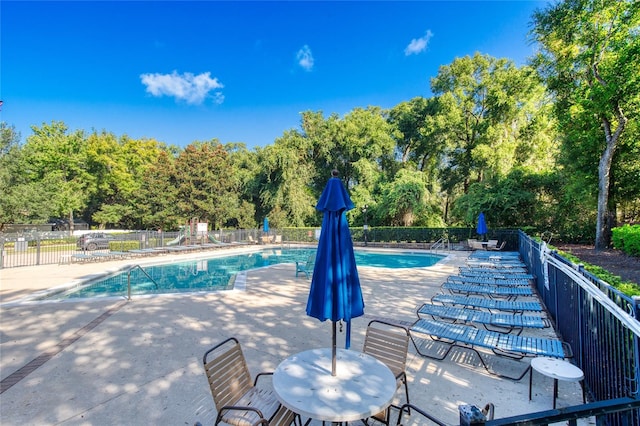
x=94, y=241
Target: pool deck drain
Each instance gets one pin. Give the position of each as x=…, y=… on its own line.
x=37, y=362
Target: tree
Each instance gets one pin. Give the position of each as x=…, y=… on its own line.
x=114, y=183
x=286, y=173
x=244, y=168
x=486, y=117
x=21, y=200
x=590, y=50
x=120, y=166
x=57, y=160
x=157, y=198
x=205, y=185
x=417, y=135
x=406, y=201
x=522, y=198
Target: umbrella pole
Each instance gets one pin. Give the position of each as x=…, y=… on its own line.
x=333, y=350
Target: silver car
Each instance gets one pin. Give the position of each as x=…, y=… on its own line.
x=94, y=241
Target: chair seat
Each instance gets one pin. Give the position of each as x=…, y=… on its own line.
x=261, y=399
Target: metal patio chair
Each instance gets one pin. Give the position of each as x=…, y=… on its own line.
x=389, y=344
x=307, y=267
x=239, y=401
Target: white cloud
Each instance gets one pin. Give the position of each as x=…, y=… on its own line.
x=193, y=89
x=305, y=58
x=418, y=45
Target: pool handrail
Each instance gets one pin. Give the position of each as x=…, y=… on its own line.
x=129, y=279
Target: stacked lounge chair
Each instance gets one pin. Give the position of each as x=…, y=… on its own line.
x=504, y=291
x=464, y=279
x=516, y=306
x=510, y=345
x=486, y=309
x=495, y=272
x=502, y=322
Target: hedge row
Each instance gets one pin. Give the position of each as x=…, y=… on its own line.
x=390, y=234
x=627, y=239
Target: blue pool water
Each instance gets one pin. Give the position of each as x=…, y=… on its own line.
x=219, y=273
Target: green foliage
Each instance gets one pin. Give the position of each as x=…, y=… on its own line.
x=410, y=234
x=406, y=200
x=282, y=182
x=489, y=114
x=589, y=63
x=487, y=140
x=302, y=234
x=627, y=239
x=626, y=287
x=521, y=197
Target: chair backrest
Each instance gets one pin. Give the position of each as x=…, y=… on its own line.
x=227, y=372
x=311, y=261
x=389, y=344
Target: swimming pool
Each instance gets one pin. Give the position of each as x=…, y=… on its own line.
x=220, y=273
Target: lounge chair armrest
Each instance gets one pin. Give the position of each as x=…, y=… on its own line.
x=568, y=352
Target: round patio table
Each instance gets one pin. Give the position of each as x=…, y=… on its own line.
x=557, y=369
x=362, y=386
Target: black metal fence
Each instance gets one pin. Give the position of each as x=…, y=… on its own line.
x=35, y=247
x=596, y=320
x=57, y=247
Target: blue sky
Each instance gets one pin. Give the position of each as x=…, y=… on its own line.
x=236, y=71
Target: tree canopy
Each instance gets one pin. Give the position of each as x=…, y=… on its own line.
x=552, y=145
x=590, y=51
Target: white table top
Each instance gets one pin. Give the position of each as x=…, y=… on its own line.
x=557, y=369
x=362, y=386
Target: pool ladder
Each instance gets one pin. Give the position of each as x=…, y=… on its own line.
x=441, y=243
x=129, y=279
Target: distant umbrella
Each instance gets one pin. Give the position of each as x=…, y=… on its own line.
x=335, y=292
x=482, y=225
x=265, y=225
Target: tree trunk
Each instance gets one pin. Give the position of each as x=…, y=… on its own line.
x=603, y=224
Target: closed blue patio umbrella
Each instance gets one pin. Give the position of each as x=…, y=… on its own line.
x=265, y=225
x=335, y=292
x=482, y=225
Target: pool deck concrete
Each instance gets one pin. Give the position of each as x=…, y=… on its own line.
x=139, y=362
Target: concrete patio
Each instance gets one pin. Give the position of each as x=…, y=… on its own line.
x=139, y=362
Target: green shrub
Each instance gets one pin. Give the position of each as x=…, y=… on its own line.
x=626, y=287
x=627, y=239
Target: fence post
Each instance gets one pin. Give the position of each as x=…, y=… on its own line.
x=38, y=245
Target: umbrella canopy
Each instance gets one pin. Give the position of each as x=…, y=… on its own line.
x=265, y=225
x=335, y=292
x=482, y=224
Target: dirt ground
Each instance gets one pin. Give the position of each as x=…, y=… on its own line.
x=614, y=261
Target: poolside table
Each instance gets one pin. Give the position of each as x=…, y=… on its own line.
x=362, y=386
x=557, y=369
